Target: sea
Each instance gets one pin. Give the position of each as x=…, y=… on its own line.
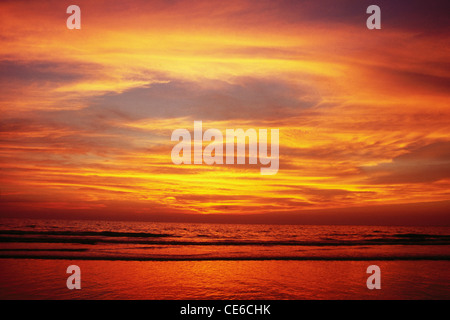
x=149, y=260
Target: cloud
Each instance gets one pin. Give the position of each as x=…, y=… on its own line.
x=414, y=15
x=38, y=71
x=87, y=115
x=246, y=98
x=422, y=165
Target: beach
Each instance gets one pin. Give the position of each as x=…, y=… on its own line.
x=223, y=280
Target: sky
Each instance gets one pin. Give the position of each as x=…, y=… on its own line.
x=363, y=115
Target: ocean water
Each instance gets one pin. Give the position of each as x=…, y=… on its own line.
x=134, y=260
x=64, y=239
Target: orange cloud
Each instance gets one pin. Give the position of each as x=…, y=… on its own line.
x=87, y=114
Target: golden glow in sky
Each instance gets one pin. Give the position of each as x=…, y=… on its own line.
x=87, y=115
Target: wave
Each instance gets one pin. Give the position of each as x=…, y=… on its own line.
x=228, y=258
x=327, y=242
x=43, y=250
x=89, y=233
x=162, y=242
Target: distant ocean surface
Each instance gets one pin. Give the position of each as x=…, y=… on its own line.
x=142, y=241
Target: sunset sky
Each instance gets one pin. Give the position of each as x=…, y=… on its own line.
x=87, y=115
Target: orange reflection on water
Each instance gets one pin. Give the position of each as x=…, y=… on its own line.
x=46, y=279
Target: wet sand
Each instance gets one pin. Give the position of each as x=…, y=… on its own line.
x=277, y=280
